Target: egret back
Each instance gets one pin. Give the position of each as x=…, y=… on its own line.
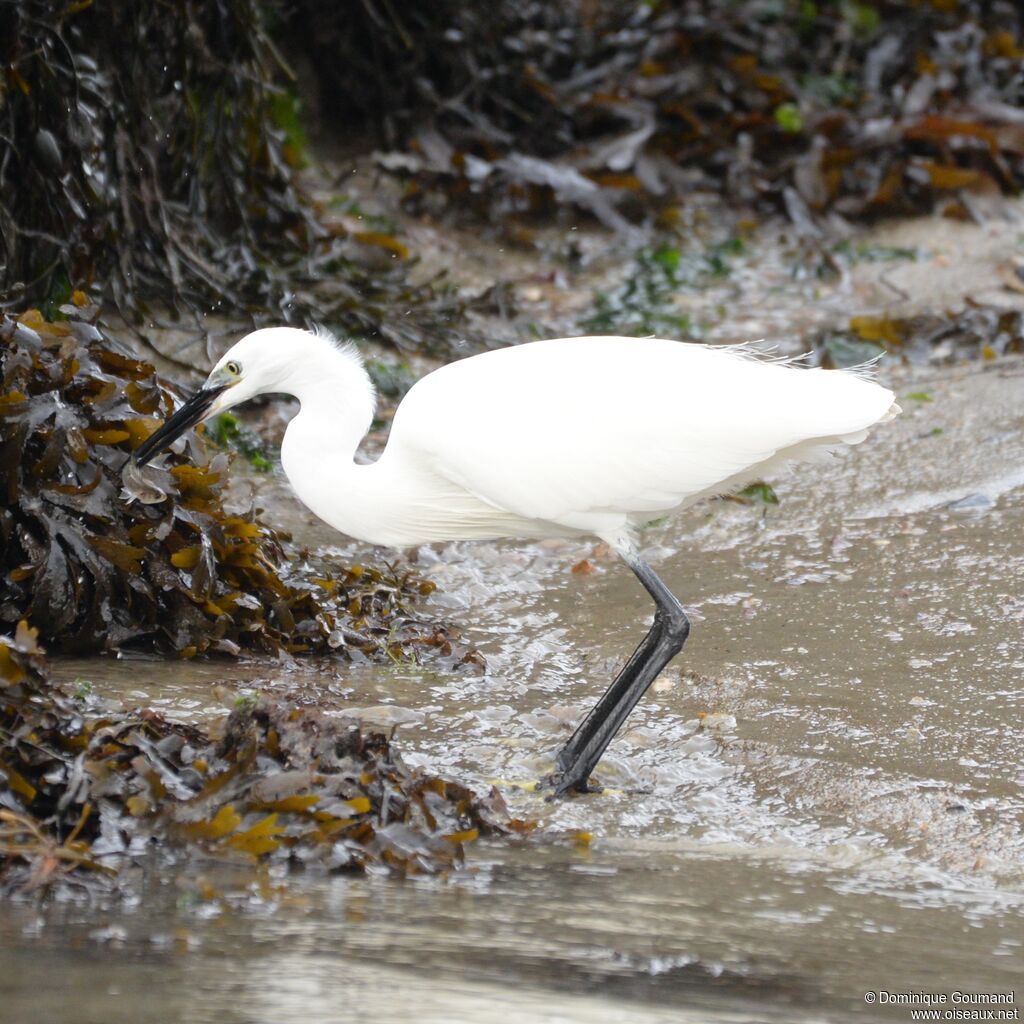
x=583, y=431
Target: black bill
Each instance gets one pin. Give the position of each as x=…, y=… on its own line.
x=191, y=413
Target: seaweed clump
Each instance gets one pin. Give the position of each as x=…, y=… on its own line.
x=863, y=107
x=85, y=792
x=150, y=154
x=975, y=330
x=96, y=559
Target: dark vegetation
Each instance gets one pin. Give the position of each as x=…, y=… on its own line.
x=150, y=150
x=857, y=107
x=148, y=154
x=88, y=791
x=975, y=330
x=99, y=555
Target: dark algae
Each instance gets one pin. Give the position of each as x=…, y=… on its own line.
x=143, y=152
x=151, y=153
x=858, y=108
x=174, y=188
x=98, y=556
x=973, y=330
x=86, y=792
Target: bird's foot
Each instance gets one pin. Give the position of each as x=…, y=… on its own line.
x=560, y=782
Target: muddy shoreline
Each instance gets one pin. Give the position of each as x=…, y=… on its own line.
x=826, y=782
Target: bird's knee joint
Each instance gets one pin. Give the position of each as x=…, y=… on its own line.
x=676, y=628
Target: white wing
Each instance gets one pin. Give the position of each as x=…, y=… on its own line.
x=564, y=429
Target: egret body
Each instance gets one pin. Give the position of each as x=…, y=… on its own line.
x=562, y=438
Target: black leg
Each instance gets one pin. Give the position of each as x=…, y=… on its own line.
x=610, y=698
x=578, y=758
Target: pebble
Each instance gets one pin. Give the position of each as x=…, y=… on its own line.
x=716, y=722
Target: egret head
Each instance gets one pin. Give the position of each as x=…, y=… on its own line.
x=263, y=361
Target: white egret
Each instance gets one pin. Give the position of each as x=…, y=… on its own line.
x=561, y=438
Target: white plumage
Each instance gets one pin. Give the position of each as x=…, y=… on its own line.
x=567, y=437
x=553, y=438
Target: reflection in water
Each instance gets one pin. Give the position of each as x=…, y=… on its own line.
x=644, y=932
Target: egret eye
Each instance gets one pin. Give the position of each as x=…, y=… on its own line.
x=235, y=369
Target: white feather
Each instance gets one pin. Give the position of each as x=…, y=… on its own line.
x=552, y=438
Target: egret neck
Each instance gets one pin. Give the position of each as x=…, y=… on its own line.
x=337, y=403
x=397, y=500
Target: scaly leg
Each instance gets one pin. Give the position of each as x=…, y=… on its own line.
x=578, y=758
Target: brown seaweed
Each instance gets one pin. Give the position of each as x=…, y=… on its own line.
x=149, y=153
x=85, y=790
x=974, y=330
x=855, y=108
x=97, y=559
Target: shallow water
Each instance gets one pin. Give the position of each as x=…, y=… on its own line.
x=822, y=797
x=846, y=817
x=633, y=931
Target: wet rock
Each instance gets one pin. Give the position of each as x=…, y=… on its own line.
x=717, y=722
